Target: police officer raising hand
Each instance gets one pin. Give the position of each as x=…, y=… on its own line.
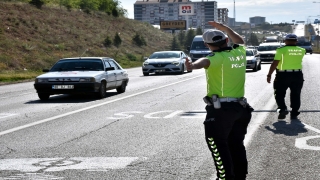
x=228, y=113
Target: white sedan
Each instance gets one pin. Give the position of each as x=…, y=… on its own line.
x=165, y=61
x=82, y=75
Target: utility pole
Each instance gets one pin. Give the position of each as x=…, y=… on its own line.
x=234, y=12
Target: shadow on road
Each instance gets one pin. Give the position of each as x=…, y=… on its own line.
x=293, y=128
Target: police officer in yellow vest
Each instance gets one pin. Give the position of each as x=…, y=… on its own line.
x=288, y=65
x=228, y=113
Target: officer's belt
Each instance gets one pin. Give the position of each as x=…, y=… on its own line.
x=289, y=70
x=229, y=99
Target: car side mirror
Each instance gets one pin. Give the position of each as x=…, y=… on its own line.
x=145, y=58
x=188, y=48
x=109, y=69
x=45, y=70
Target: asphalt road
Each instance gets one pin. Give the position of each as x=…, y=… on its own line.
x=152, y=131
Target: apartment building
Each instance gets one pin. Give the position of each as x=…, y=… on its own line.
x=257, y=20
x=223, y=15
x=154, y=11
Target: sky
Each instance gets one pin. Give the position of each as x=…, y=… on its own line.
x=275, y=11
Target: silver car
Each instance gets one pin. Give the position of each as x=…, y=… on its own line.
x=165, y=61
x=82, y=75
x=253, y=60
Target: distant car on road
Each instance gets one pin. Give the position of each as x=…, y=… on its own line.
x=306, y=46
x=198, y=48
x=253, y=60
x=267, y=51
x=165, y=61
x=80, y=75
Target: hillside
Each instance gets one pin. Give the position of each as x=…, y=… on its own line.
x=34, y=39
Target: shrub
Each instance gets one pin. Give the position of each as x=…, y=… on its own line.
x=139, y=40
x=117, y=40
x=107, y=42
x=131, y=57
x=37, y=3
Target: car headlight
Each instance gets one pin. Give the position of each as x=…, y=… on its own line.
x=41, y=80
x=86, y=80
x=146, y=63
x=176, y=63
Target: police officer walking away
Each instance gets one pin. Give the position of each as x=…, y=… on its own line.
x=288, y=65
x=228, y=113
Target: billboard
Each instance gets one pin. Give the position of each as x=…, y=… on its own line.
x=186, y=9
x=173, y=25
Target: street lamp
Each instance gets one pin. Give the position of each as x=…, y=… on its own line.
x=316, y=2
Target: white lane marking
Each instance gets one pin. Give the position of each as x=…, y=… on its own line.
x=124, y=115
x=258, y=121
x=90, y=107
x=302, y=142
x=150, y=115
x=311, y=128
x=61, y=164
x=5, y=115
x=173, y=114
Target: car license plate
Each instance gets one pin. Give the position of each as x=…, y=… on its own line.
x=62, y=87
x=159, y=70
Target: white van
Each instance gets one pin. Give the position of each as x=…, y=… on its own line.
x=198, y=49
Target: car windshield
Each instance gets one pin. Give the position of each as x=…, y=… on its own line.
x=303, y=44
x=164, y=55
x=249, y=53
x=77, y=65
x=198, y=45
x=267, y=48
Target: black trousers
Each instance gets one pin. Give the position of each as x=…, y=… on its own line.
x=225, y=130
x=283, y=81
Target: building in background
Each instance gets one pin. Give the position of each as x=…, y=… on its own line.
x=223, y=15
x=231, y=22
x=155, y=11
x=257, y=20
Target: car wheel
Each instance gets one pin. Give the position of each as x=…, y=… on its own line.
x=259, y=67
x=122, y=88
x=255, y=67
x=102, y=90
x=182, y=69
x=43, y=96
x=146, y=74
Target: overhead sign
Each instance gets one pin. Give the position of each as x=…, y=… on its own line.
x=186, y=9
x=173, y=25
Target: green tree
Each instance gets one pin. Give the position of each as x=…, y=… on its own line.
x=37, y=3
x=175, y=45
x=117, y=40
x=88, y=6
x=107, y=42
x=181, y=37
x=253, y=39
x=189, y=38
x=139, y=40
x=199, y=31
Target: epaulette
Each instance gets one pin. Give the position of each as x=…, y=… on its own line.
x=235, y=46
